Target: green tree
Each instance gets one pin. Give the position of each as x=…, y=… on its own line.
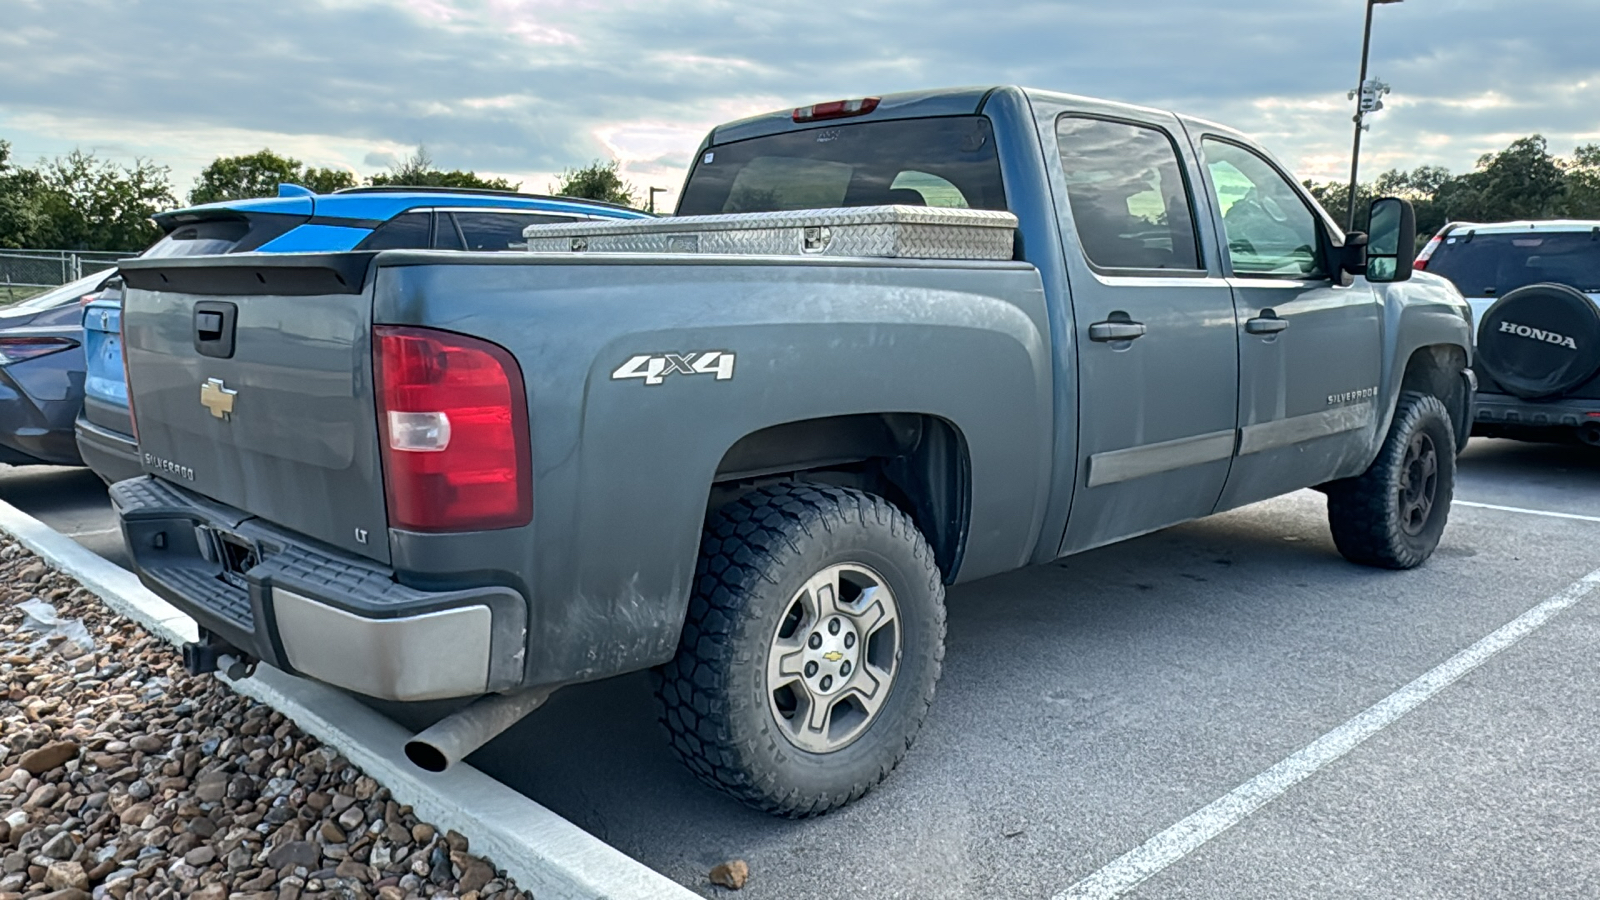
x=418, y=170
x=1583, y=183
x=596, y=181
x=326, y=181
x=259, y=174
x=1522, y=181
x=1421, y=186
x=92, y=204
x=22, y=217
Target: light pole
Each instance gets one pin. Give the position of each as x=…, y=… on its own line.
x=1364, y=105
x=653, y=192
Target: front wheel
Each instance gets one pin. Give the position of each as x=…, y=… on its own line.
x=1393, y=514
x=813, y=642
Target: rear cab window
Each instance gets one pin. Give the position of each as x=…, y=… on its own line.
x=945, y=161
x=1492, y=265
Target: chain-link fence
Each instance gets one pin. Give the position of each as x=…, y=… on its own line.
x=27, y=272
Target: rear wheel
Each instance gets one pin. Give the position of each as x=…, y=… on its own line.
x=1393, y=514
x=812, y=646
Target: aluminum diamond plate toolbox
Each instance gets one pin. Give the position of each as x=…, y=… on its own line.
x=909, y=232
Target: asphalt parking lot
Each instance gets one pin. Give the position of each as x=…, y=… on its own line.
x=1089, y=705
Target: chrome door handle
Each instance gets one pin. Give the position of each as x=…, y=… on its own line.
x=1106, y=332
x=1265, y=324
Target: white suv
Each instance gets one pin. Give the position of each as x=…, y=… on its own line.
x=1534, y=288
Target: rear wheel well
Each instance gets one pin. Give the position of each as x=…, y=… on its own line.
x=917, y=462
x=1436, y=370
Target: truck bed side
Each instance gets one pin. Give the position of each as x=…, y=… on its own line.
x=624, y=468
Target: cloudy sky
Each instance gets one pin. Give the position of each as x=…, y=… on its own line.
x=524, y=88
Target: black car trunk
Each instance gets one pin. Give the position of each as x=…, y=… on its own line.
x=251, y=383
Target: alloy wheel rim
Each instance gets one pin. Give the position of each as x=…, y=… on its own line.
x=1419, y=483
x=833, y=658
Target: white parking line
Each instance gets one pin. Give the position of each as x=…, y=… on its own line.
x=97, y=532
x=1173, y=844
x=1530, y=512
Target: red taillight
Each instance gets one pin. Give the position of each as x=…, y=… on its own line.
x=836, y=109
x=17, y=349
x=453, y=418
x=1427, y=251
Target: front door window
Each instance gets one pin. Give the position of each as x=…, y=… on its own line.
x=1270, y=231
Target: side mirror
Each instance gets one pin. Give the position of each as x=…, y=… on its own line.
x=1392, y=242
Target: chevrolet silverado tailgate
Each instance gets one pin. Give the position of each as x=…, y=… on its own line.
x=250, y=378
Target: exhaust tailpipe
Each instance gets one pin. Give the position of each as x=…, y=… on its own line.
x=453, y=738
x=1590, y=434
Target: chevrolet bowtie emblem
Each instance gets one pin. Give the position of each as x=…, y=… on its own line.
x=217, y=397
x=833, y=656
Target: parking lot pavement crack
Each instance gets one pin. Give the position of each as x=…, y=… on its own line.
x=1173, y=844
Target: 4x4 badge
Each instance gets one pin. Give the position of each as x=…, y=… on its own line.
x=655, y=368
x=216, y=397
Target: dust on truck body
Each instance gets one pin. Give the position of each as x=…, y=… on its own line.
x=888, y=345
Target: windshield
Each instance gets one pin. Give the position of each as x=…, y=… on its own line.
x=1490, y=265
x=947, y=161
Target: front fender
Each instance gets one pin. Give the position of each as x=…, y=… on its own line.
x=1424, y=311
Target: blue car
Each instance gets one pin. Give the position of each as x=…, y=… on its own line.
x=300, y=221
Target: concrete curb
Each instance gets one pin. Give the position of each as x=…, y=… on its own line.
x=545, y=853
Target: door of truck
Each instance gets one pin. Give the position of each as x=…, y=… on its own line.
x=1156, y=347
x=1310, y=349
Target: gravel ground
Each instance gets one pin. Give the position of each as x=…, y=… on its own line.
x=122, y=776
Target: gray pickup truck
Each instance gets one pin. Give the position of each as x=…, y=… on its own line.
x=421, y=475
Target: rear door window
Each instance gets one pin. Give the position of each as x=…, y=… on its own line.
x=446, y=236
x=492, y=230
x=1491, y=265
x=1129, y=200
x=407, y=231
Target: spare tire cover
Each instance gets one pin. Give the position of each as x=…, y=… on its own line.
x=1541, y=340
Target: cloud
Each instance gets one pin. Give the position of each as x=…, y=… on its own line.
x=526, y=88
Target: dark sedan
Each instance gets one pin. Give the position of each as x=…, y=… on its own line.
x=41, y=373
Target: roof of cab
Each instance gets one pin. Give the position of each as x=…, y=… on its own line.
x=961, y=101
x=957, y=101
x=384, y=203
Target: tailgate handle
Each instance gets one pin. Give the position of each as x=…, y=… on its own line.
x=214, y=322
x=208, y=325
